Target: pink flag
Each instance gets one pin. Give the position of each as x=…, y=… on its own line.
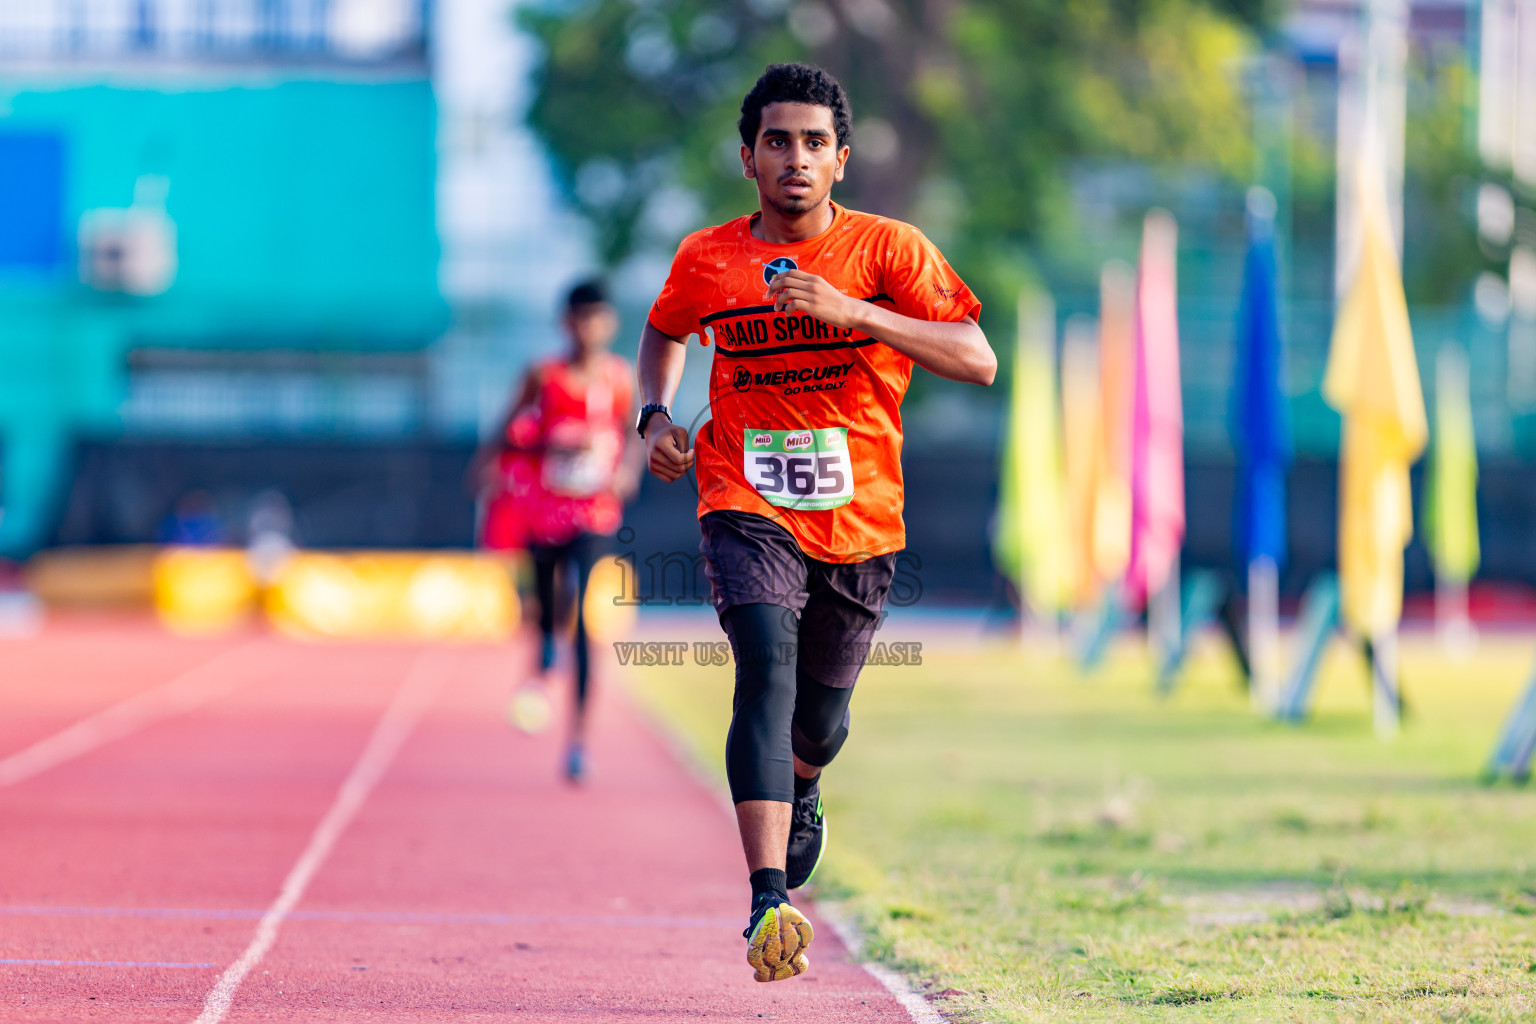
x=1157, y=440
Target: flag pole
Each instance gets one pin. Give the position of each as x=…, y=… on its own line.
x=1453, y=617
x=1164, y=618
x=1263, y=633
x=1387, y=702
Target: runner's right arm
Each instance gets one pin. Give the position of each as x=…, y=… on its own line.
x=481, y=475
x=659, y=367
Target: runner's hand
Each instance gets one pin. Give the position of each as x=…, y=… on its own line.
x=796, y=291
x=667, y=452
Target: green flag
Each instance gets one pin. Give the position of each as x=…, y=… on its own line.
x=1028, y=541
x=1451, y=508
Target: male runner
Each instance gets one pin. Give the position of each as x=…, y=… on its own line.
x=818, y=314
x=560, y=479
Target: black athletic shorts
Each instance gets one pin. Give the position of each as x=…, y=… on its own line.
x=750, y=559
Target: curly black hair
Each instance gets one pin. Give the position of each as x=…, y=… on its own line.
x=795, y=83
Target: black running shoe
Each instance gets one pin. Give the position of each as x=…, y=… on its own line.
x=807, y=837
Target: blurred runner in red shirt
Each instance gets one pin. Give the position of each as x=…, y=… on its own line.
x=560, y=471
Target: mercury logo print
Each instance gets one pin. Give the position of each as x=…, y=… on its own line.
x=741, y=380
x=773, y=268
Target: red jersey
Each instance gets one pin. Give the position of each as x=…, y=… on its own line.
x=567, y=486
x=806, y=417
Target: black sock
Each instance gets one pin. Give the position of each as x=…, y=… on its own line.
x=804, y=786
x=769, y=882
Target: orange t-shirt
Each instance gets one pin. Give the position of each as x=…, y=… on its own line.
x=806, y=417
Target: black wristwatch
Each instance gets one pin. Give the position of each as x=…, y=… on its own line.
x=645, y=415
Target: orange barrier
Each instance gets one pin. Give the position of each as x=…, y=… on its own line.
x=120, y=576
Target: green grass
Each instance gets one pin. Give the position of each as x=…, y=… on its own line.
x=1042, y=847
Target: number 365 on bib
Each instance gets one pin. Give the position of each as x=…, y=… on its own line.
x=800, y=469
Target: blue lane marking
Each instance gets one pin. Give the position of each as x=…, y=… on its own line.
x=373, y=916
x=100, y=963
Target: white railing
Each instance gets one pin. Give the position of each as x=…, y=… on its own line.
x=347, y=31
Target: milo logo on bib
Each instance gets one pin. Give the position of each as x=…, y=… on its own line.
x=807, y=470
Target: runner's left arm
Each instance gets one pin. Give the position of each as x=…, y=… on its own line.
x=633, y=462
x=659, y=368
x=956, y=350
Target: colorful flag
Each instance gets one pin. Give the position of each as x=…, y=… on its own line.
x=1082, y=449
x=1157, y=420
x=1260, y=426
x=1373, y=380
x=1450, y=513
x=1028, y=540
x=1117, y=382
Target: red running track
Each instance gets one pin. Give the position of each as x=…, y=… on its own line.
x=139, y=857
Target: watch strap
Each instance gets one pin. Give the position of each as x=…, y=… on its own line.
x=646, y=413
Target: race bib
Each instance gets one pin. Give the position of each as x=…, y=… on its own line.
x=800, y=469
x=578, y=473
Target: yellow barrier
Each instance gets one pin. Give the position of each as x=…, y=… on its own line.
x=410, y=595
x=401, y=594
x=202, y=590
x=610, y=605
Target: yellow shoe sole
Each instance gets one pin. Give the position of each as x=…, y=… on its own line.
x=777, y=948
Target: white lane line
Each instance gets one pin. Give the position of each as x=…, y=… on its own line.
x=919, y=1009
x=101, y=963
x=198, y=685
x=427, y=674
x=381, y=916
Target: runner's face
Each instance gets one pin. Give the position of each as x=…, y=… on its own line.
x=591, y=327
x=796, y=158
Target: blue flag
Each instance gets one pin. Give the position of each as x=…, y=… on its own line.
x=1259, y=419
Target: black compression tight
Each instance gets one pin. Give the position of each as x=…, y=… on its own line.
x=580, y=554
x=778, y=712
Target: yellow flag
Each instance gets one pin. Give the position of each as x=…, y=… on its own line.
x=1028, y=540
x=1373, y=380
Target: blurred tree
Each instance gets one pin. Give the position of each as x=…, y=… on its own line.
x=1441, y=254
x=1441, y=170
x=966, y=112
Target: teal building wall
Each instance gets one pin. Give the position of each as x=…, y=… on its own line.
x=305, y=219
